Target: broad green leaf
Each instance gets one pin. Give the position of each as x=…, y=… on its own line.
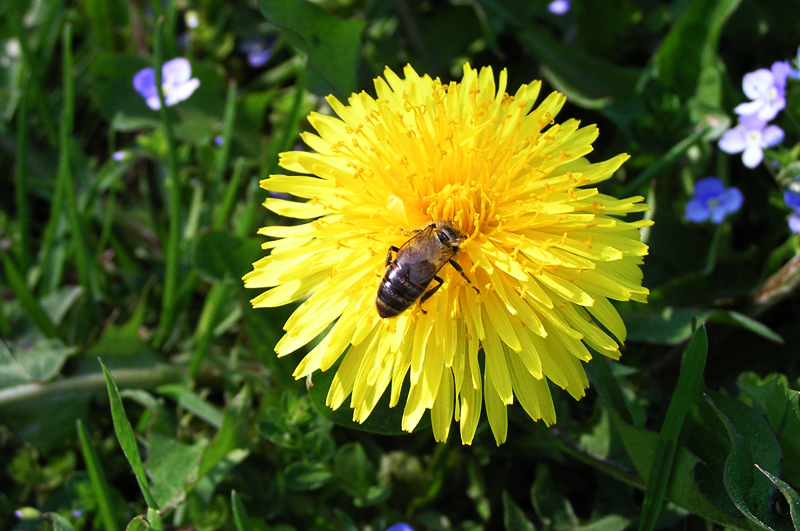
x=126, y=437
x=353, y=469
x=690, y=44
x=192, y=402
x=789, y=493
x=302, y=476
x=59, y=302
x=586, y=81
x=607, y=387
x=59, y=522
x=122, y=346
x=219, y=255
x=333, y=46
x=781, y=407
x=100, y=488
x=672, y=326
x=553, y=508
x=240, y=519
x=688, y=388
x=753, y=443
x=383, y=419
x=682, y=489
x=33, y=420
x=43, y=360
x=611, y=522
x=172, y=466
x=232, y=433
x=513, y=517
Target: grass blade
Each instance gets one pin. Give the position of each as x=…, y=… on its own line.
x=126, y=437
x=240, y=519
x=172, y=252
x=21, y=182
x=689, y=382
x=82, y=255
x=97, y=478
x=27, y=300
x=37, y=88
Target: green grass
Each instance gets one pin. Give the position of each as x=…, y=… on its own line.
x=138, y=261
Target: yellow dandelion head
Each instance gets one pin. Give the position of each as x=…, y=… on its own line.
x=539, y=248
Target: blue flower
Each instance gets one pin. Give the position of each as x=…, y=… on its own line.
x=712, y=201
x=792, y=200
x=258, y=52
x=177, y=83
x=558, y=7
x=767, y=90
x=750, y=137
x=402, y=526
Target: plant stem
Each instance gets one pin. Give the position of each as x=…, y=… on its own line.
x=172, y=253
x=132, y=378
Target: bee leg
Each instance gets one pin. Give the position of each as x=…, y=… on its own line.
x=428, y=294
x=389, y=254
x=458, y=268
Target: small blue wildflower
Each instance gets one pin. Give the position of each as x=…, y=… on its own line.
x=258, y=52
x=402, y=526
x=767, y=90
x=712, y=201
x=119, y=156
x=192, y=19
x=792, y=200
x=218, y=140
x=558, y=7
x=177, y=83
x=750, y=137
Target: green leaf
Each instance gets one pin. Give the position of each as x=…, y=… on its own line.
x=219, y=255
x=672, y=326
x=611, y=522
x=742, y=321
x=781, y=407
x=59, y=522
x=682, y=489
x=554, y=510
x=192, y=402
x=691, y=43
x=100, y=489
x=587, y=81
x=232, y=433
x=607, y=387
x=43, y=360
x=753, y=443
x=791, y=496
x=302, y=476
x=172, y=466
x=688, y=388
x=333, y=46
x=353, y=469
x=240, y=519
x=383, y=419
x=126, y=437
x=513, y=517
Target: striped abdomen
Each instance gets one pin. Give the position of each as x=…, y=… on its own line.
x=397, y=292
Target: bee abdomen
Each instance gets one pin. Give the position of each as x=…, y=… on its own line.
x=396, y=292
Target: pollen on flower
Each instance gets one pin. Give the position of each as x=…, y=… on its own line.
x=541, y=254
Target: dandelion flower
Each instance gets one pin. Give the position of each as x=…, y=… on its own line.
x=543, y=246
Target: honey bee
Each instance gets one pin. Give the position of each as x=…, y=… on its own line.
x=418, y=260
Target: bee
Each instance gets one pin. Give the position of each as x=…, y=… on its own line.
x=414, y=267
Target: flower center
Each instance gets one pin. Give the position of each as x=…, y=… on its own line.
x=471, y=206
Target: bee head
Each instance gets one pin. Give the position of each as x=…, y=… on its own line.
x=448, y=234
